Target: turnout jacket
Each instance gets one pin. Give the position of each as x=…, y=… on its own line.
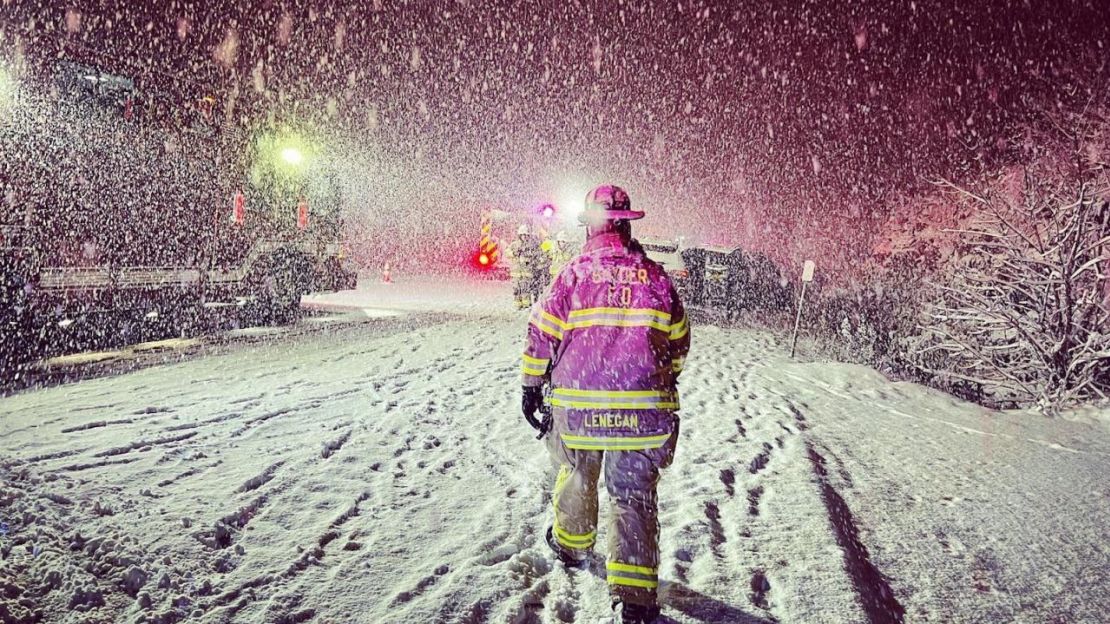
x=611, y=337
x=527, y=259
x=559, y=258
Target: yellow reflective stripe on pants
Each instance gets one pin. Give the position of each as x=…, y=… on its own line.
x=560, y=481
x=590, y=443
x=626, y=567
x=535, y=360
x=576, y=542
x=631, y=575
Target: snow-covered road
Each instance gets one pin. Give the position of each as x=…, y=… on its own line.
x=382, y=473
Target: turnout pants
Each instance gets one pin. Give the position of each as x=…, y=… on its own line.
x=537, y=284
x=632, y=569
x=522, y=289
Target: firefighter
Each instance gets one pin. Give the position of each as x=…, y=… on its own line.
x=560, y=253
x=539, y=267
x=519, y=269
x=610, y=337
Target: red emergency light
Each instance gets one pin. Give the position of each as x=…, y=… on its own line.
x=484, y=259
x=548, y=211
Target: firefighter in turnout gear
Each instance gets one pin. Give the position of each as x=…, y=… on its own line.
x=540, y=266
x=527, y=268
x=560, y=253
x=518, y=269
x=610, y=337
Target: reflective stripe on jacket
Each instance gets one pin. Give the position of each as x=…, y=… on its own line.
x=611, y=336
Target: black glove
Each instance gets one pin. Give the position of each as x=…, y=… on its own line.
x=530, y=402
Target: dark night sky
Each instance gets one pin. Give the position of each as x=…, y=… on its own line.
x=780, y=125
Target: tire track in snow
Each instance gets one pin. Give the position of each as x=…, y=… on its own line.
x=289, y=478
x=873, y=589
x=283, y=599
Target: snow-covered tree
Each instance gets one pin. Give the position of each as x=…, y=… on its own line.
x=1022, y=310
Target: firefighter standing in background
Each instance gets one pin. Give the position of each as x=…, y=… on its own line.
x=610, y=336
x=524, y=267
x=560, y=253
x=539, y=264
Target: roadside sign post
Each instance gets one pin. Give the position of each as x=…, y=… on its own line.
x=807, y=277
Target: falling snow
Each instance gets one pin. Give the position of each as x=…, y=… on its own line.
x=189, y=190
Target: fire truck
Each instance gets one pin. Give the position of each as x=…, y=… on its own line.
x=126, y=216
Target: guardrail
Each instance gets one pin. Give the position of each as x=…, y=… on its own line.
x=78, y=278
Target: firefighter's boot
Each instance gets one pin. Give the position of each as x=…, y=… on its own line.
x=565, y=557
x=636, y=614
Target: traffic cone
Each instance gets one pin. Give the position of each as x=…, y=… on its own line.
x=387, y=276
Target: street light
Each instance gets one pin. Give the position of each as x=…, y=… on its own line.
x=285, y=152
x=292, y=156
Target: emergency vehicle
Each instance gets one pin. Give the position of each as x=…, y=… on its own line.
x=668, y=254
x=732, y=279
x=499, y=228
x=124, y=214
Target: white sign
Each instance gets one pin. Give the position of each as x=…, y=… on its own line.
x=807, y=271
